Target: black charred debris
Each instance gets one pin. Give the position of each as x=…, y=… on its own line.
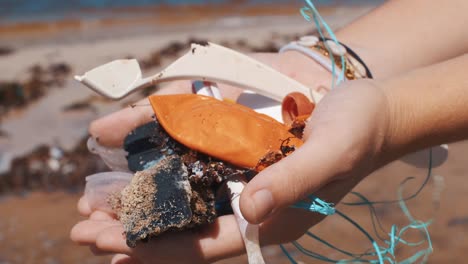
x=174, y=188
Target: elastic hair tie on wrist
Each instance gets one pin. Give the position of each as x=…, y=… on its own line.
x=355, y=56
x=319, y=49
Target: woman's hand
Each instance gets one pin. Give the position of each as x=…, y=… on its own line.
x=103, y=233
x=360, y=126
x=344, y=142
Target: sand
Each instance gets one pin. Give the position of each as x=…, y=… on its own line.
x=34, y=228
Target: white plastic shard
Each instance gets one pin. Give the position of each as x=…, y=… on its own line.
x=115, y=79
x=207, y=62
x=114, y=158
x=250, y=232
x=100, y=186
x=235, y=185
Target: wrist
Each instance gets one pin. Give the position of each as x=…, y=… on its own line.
x=303, y=69
x=400, y=131
x=368, y=53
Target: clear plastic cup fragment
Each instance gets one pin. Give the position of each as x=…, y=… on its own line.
x=101, y=185
x=114, y=158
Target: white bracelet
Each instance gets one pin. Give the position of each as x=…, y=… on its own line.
x=310, y=53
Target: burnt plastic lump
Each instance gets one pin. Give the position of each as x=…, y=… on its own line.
x=158, y=200
x=146, y=145
x=169, y=197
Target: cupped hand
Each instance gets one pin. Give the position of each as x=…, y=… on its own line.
x=104, y=234
x=344, y=142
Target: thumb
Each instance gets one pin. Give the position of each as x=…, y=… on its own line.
x=290, y=180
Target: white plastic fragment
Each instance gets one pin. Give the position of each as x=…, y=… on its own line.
x=206, y=88
x=206, y=61
x=235, y=185
x=114, y=158
x=100, y=185
x=249, y=231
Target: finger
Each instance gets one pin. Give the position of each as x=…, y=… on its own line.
x=112, y=129
x=97, y=252
x=101, y=216
x=83, y=206
x=210, y=243
x=292, y=179
x=111, y=239
x=123, y=259
x=270, y=234
x=86, y=232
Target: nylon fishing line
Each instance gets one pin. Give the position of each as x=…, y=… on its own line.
x=376, y=254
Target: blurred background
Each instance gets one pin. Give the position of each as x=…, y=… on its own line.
x=44, y=115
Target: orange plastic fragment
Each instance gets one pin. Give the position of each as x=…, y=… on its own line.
x=296, y=106
x=224, y=130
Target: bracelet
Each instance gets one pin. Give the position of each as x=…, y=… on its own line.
x=320, y=59
x=353, y=56
x=319, y=49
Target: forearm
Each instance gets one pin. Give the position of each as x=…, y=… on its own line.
x=403, y=35
x=428, y=107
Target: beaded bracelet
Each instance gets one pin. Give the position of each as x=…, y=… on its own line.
x=318, y=49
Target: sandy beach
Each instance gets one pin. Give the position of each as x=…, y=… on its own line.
x=37, y=210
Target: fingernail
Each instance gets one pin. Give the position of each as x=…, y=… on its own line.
x=263, y=204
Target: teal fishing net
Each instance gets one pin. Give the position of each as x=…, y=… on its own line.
x=381, y=248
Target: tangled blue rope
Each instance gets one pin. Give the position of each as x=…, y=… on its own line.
x=377, y=254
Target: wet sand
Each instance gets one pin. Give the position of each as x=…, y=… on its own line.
x=34, y=226
x=34, y=229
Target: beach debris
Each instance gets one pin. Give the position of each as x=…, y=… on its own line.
x=5, y=50
x=58, y=73
x=202, y=62
x=204, y=124
x=173, y=189
x=168, y=51
x=86, y=104
x=173, y=49
x=196, y=141
x=154, y=60
x=180, y=165
x=4, y=134
x=102, y=187
x=269, y=46
x=157, y=200
x=18, y=94
x=114, y=158
x=78, y=106
x=48, y=168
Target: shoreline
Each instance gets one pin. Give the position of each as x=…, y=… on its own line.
x=162, y=18
x=156, y=14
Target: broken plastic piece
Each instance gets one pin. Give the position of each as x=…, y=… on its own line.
x=100, y=186
x=114, y=158
x=207, y=62
x=205, y=124
x=157, y=200
x=250, y=232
